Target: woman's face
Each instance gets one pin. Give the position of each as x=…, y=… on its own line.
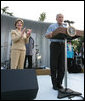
x=19, y=25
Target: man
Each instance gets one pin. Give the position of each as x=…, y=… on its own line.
x=29, y=53
x=57, y=52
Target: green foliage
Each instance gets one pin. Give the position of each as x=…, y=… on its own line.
x=42, y=16
x=4, y=11
x=77, y=43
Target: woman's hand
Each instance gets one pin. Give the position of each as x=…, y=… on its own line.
x=23, y=31
x=28, y=32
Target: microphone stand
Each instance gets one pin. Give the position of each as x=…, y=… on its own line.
x=62, y=93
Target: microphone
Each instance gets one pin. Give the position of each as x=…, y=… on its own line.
x=67, y=21
x=72, y=22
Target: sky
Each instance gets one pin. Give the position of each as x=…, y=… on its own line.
x=72, y=10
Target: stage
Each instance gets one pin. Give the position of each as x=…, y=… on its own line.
x=45, y=92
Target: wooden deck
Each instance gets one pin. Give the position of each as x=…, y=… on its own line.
x=43, y=71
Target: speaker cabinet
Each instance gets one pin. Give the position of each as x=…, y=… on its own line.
x=18, y=84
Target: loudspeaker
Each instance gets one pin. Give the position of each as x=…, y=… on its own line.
x=18, y=84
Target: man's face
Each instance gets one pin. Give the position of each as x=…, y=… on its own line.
x=60, y=18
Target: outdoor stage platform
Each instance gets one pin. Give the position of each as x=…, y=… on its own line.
x=45, y=92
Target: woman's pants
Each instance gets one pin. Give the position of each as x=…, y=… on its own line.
x=17, y=59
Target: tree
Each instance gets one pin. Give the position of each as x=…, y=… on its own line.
x=4, y=11
x=77, y=43
x=42, y=16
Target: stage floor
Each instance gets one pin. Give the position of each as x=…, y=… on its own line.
x=45, y=92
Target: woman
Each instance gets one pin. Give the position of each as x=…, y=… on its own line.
x=18, y=50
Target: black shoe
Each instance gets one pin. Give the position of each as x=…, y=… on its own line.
x=57, y=87
x=60, y=87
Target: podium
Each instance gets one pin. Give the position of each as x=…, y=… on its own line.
x=65, y=34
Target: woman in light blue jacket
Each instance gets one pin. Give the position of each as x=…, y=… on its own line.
x=70, y=54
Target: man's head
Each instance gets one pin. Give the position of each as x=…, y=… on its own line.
x=59, y=18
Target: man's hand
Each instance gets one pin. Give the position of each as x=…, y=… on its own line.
x=49, y=35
